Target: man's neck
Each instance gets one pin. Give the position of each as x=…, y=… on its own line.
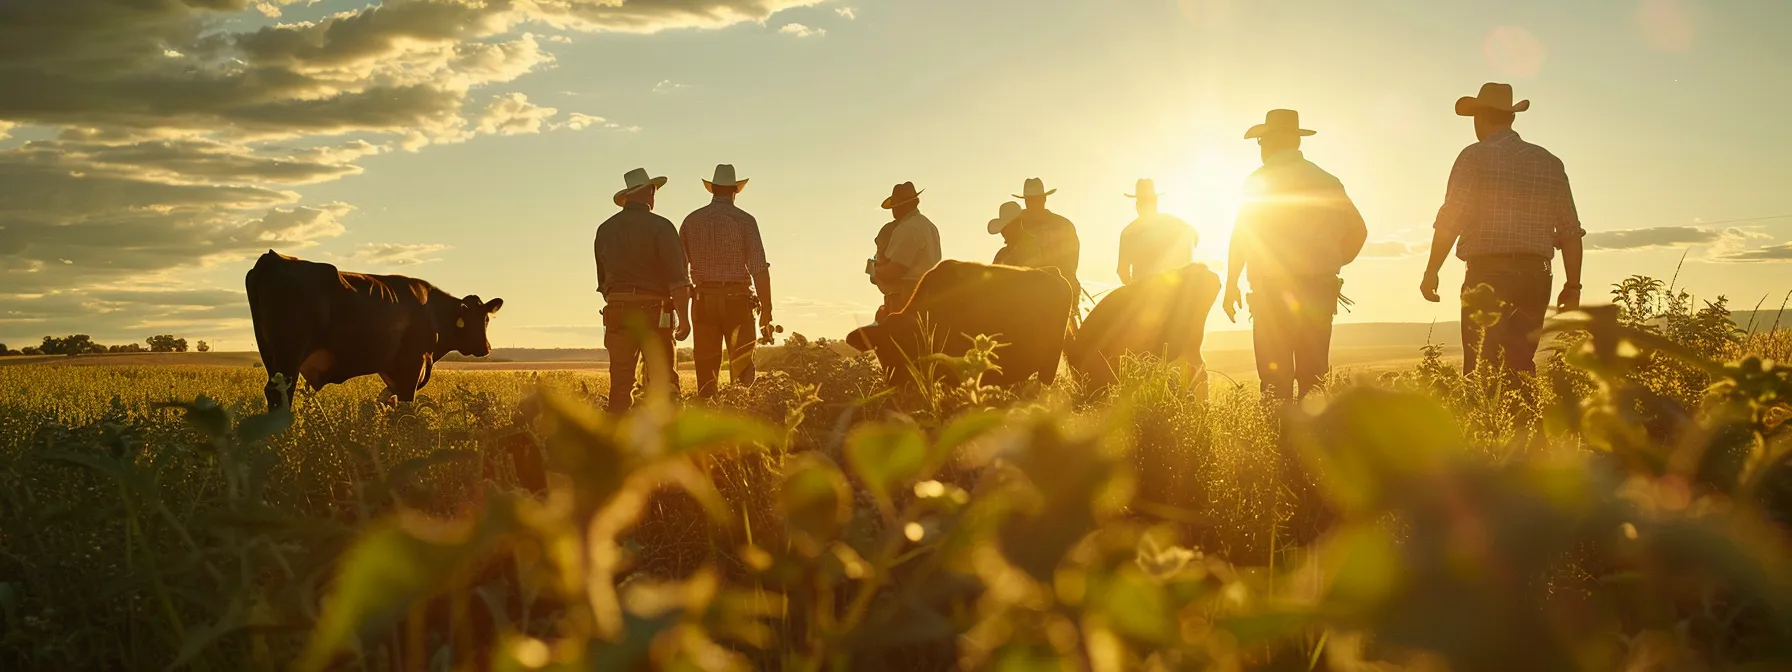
x=722, y=198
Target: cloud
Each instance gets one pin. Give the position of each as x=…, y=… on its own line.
x=176, y=138
x=1770, y=253
x=1387, y=249
x=846, y=12
x=800, y=30
x=669, y=86
x=512, y=114
x=1666, y=236
x=395, y=254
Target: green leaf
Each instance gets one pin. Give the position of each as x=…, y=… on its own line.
x=885, y=457
x=257, y=428
x=104, y=465
x=963, y=430
x=1370, y=445
x=394, y=564
x=1138, y=607
x=1265, y=625
x=205, y=415
x=815, y=499
x=699, y=431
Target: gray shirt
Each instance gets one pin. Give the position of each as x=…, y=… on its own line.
x=638, y=252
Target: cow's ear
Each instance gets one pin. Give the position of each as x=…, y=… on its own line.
x=493, y=305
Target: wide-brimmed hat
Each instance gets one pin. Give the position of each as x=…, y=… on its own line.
x=725, y=178
x=1278, y=122
x=1034, y=187
x=637, y=179
x=1147, y=188
x=1494, y=97
x=902, y=193
x=1007, y=215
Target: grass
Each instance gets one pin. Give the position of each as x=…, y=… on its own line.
x=1620, y=507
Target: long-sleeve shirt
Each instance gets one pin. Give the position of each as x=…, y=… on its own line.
x=722, y=243
x=638, y=252
x=1508, y=196
x=1058, y=242
x=1296, y=223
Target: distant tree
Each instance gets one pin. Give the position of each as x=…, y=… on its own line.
x=74, y=344
x=3, y=351
x=166, y=343
x=31, y=350
x=204, y=347
x=128, y=347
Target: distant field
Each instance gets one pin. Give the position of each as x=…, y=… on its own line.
x=1235, y=364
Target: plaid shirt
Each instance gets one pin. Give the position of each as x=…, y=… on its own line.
x=722, y=243
x=1508, y=196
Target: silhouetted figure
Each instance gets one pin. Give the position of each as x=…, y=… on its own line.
x=1058, y=242
x=907, y=248
x=647, y=290
x=1019, y=247
x=1155, y=242
x=727, y=267
x=1507, y=210
x=1296, y=229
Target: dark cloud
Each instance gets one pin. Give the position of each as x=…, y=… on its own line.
x=177, y=141
x=1660, y=236
x=1781, y=252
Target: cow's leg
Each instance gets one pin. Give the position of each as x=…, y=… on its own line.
x=402, y=383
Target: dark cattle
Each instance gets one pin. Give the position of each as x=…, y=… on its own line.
x=1024, y=309
x=314, y=321
x=1165, y=315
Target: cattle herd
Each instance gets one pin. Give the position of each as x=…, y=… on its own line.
x=315, y=322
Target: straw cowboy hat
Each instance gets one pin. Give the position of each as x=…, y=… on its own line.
x=1146, y=187
x=1494, y=97
x=902, y=193
x=1034, y=187
x=637, y=179
x=1278, y=122
x=724, y=178
x=1009, y=213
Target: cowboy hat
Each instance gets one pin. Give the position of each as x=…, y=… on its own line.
x=637, y=179
x=725, y=178
x=902, y=193
x=1494, y=97
x=1010, y=211
x=1034, y=187
x=1147, y=188
x=1278, y=122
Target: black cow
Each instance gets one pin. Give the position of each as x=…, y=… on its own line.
x=328, y=326
x=1164, y=315
x=1025, y=309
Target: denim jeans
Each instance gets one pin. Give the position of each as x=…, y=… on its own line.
x=1291, y=331
x=723, y=320
x=632, y=336
x=1522, y=285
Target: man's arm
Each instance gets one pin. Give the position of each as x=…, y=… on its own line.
x=1355, y=231
x=678, y=276
x=1124, y=270
x=1235, y=265
x=760, y=269
x=1568, y=237
x=597, y=255
x=1451, y=218
x=899, y=254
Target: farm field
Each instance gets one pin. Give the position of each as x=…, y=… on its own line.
x=1617, y=509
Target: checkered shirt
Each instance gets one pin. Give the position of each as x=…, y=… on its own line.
x=722, y=243
x=1508, y=196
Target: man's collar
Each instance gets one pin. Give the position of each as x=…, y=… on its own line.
x=721, y=199
x=1503, y=135
x=631, y=205
x=1284, y=156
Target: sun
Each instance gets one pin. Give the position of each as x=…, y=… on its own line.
x=1205, y=194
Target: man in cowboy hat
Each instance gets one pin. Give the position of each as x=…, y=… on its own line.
x=1019, y=248
x=1507, y=210
x=1296, y=229
x=1057, y=237
x=647, y=290
x=727, y=267
x=907, y=248
x=1155, y=242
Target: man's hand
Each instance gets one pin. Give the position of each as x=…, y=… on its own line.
x=683, y=330
x=1428, y=287
x=1569, y=299
x=765, y=317
x=1234, y=301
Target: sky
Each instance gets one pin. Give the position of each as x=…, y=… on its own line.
x=150, y=150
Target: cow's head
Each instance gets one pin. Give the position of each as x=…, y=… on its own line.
x=895, y=339
x=467, y=333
